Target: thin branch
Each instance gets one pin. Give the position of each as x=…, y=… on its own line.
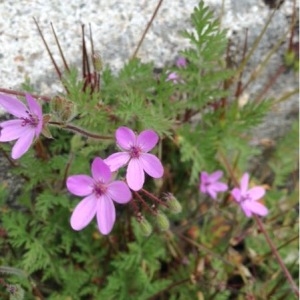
x=81, y=131
x=22, y=94
x=59, y=48
x=278, y=258
x=48, y=50
x=147, y=28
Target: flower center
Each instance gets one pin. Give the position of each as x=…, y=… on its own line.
x=32, y=120
x=135, y=152
x=99, y=188
x=245, y=198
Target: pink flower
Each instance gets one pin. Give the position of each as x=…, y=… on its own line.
x=135, y=154
x=209, y=184
x=181, y=62
x=25, y=128
x=248, y=198
x=99, y=190
x=174, y=77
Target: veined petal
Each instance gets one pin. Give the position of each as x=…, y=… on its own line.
x=12, y=130
x=80, y=185
x=34, y=107
x=100, y=170
x=215, y=176
x=135, y=175
x=244, y=183
x=256, y=208
x=36, y=110
x=125, y=137
x=13, y=106
x=147, y=140
x=256, y=193
x=236, y=194
x=220, y=186
x=84, y=212
x=117, y=160
x=106, y=214
x=22, y=144
x=119, y=192
x=152, y=165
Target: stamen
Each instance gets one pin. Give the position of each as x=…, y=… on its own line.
x=99, y=188
x=135, y=152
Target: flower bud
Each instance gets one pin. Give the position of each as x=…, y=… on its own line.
x=173, y=204
x=63, y=108
x=145, y=227
x=162, y=221
x=97, y=61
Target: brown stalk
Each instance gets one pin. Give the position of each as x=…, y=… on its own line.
x=48, y=50
x=59, y=48
x=146, y=29
x=22, y=94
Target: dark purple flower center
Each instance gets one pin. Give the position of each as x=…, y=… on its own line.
x=99, y=188
x=245, y=198
x=32, y=120
x=135, y=152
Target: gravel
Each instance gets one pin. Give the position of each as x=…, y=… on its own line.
x=117, y=27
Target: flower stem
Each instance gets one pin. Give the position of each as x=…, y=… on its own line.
x=278, y=258
x=16, y=93
x=154, y=197
x=81, y=131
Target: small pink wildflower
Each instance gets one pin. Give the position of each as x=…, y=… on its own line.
x=209, y=184
x=248, y=198
x=25, y=128
x=99, y=190
x=181, y=62
x=135, y=154
x=174, y=77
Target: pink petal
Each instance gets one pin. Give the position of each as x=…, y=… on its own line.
x=100, y=170
x=119, y=192
x=181, y=62
x=12, y=130
x=152, y=165
x=34, y=107
x=244, y=183
x=80, y=185
x=106, y=214
x=84, y=212
x=256, y=193
x=125, y=137
x=135, y=175
x=173, y=76
x=215, y=176
x=256, y=208
x=236, y=194
x=147, y=139
x=13, y=106
x=212, y=192
x=246, y=209
x=117, y=160
x=203, y=188
x=23, y=144
x=220, y=186
x=203, y=182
